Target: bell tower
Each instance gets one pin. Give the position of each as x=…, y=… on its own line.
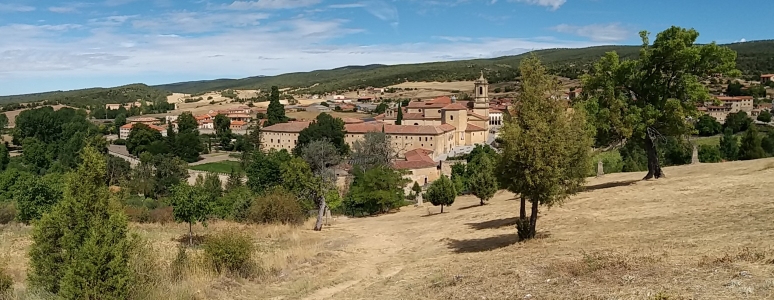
x=481, y=104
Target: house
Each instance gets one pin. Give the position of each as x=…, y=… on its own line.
x=766, y=78
x=123, y=131
x=207, y=124
x=366, y=107
x=421, y=168
x=282, y=136
x=126, y=106
x=238, y=125
x=736, y=104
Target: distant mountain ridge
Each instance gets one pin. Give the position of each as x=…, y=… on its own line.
x=754, y=58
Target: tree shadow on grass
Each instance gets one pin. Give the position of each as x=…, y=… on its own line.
x=608, y=185
x=482, y=245
x=494, y=224
x=470, y=206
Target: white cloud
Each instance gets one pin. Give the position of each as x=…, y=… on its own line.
x=553, y=4
x=197, y=22
x=596, y=32
x=110, y=21
x=270, y=4
x=742, y=40
x=378, y=8
x=62, y=9
x=10, y=7
x=454, y=38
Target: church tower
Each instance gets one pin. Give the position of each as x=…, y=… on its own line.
x=481, y=104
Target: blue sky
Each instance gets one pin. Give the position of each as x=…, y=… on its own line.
x=62, y=45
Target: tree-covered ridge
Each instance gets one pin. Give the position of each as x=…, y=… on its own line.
x=93, y=97
x=754, y=58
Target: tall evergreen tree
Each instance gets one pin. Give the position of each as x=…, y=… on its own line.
x=750, y=147
x=399, y=119
x=546, y=147
x=275, y=113
x=80, y=248
x=729, y=145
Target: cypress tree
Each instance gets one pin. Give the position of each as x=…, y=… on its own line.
x=750, y=147
x=275, y=113
x=399, y=120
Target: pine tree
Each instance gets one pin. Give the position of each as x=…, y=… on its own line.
x=729, y=145
x=482, y=182
x=80, y=248
x=750, y=147
x=545, y=148
x=275, y=113
x=441, y=192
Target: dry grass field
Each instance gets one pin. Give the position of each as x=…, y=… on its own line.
x=704, y=232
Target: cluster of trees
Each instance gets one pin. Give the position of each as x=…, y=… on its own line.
x=184, y=143
x=736, y=88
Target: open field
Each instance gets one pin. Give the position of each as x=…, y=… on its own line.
x=704, y=232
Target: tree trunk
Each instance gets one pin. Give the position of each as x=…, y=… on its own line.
x=190, y=234
x=482, y=202
x=533, y=219
x=441, y=208
x=523, y=208
x=654, y=167
x=320, y=213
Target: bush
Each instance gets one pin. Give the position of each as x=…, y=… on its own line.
x=231, y=252
x=276, y=206
x=709, y=154
x=7, y=212
x=6, y=283
x=119, y=142
x=611, y=163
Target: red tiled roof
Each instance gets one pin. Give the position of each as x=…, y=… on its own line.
x=238, y=123
x=404, y=164
x=480, y=117
x=472, y=127
x=441, y=100
x=380, y=117
x=733, y=99
x=447, y=127
x=394, y=129
x=420, y=105
x=352, y=120
x=767, y=75
x=238, y=115
x=454, y=106
x=419, y=154
x=294, y=127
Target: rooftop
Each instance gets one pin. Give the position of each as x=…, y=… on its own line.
x=294, y=127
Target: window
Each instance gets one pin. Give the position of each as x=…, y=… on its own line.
x=439, y=111
x=451, y=117
x=481, y=90
x=272, y=140
x=416, y=123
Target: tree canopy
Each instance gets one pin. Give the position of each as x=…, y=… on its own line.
x=441, y=192
x=654, y=94
x=324, y=127
x=546, y=147
x=275, y=113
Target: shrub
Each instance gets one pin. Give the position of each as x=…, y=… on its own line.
x=7, y=212
x=611, y=162
x=6, y=283
x=276, y=206
x=144, y=267
x=709, y=154
x=231, y=252
x=180, y=264
x=119, y=142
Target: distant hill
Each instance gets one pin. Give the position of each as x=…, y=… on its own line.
x=754, y=58
x=89, y=97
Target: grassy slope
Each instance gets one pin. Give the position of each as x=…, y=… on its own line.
x=704, y=232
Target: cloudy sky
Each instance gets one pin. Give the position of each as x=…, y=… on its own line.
x=61, y=45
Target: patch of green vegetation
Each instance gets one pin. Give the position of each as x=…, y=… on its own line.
x=218, y=167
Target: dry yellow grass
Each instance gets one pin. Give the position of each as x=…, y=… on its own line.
x=705, y=232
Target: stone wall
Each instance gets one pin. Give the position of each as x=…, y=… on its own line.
x=446, y=166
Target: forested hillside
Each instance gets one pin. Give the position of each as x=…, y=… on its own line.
x=90, y=98
x=754, y=58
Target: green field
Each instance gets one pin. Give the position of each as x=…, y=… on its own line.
x=218, y=167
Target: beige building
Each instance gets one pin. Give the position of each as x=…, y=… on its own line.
x=729, y=105
x=282, y=136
